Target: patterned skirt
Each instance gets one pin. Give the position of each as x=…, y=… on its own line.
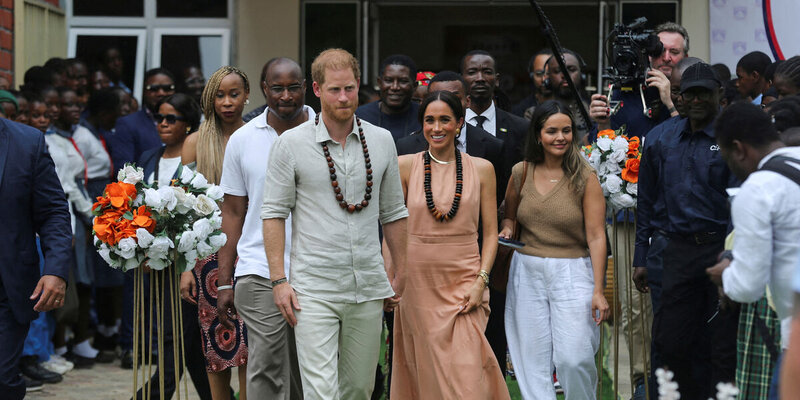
x=223, y=348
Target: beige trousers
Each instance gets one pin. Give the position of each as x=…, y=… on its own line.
x=338, y=345
x=636, y=338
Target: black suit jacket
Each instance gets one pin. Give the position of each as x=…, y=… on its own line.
x=479, y=144
x=31, y=202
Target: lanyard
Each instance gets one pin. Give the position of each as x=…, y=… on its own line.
x=85, y=164
x=111, y=161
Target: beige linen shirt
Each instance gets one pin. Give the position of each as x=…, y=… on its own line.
x=335, y=255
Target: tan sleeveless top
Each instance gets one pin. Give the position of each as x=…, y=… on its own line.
x=552, y=224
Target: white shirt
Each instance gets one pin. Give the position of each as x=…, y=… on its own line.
x=93, y=152
x=766, y=246
x=166, y=170
x=69, y=168
x=490, y=125
x=243, y=173
x=461, y=141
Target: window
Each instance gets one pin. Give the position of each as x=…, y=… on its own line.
x=176, y=49
x=91, y=44
x=101, y=8
x=192, y=8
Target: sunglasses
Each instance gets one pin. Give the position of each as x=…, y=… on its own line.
x=155, y=88
x=171, y=118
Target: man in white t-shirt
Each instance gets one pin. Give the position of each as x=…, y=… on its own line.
x=272, y=361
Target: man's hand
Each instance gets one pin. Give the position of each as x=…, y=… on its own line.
x=225, y=308
x=188, y=287
x=600, y=111
x=640, y=279
x=657, y=79
x=286, y=300
x=715, y=272
x=390, y=303
x=50, y=291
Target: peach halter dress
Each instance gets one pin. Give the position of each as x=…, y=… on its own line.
x=439, y=353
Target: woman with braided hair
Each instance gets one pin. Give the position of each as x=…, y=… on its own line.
x=787, y=78
x=225, y=346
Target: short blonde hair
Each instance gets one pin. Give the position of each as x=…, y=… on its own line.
x=335, y=59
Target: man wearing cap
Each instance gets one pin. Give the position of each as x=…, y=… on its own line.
x=683, y=215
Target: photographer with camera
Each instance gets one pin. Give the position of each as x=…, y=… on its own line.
x=636, y=89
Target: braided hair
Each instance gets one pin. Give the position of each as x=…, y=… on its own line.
x=790, y=71
x=210, y=143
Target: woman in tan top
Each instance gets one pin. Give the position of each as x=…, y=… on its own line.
x=554, y=299
x=440, y=351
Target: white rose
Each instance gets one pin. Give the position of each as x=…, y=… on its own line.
x=604, y=143
x=632, y=189
x=620, y=143
x=186, y=175
x=184, y=201
x=187, y=241
x=216, y=220
x=191, y=259
x=153, y=199
x=157, y=264
x=160, y=247
x=199, y=181
x=202, y=228
x=105, y=254
x=618, y=155
x=137, y=201
x=126, y=248
x=613, y=184
x=205, y=205
x=133, y=263
x=594, y=159
x=215, y=192
x=130, y=174
x=621, y=200
x=218, y=240
x=609, y=168
x=203, y=249
x=168, y=199
x=144, y=238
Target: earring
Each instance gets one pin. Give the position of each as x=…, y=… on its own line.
x=188, y=130
x=247, y=101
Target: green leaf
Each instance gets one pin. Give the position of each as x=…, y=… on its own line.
x=128, y=215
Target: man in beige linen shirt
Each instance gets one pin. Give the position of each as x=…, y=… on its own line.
x=337, y=190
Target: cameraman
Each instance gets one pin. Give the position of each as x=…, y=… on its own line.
x=675, y=40
x=630, y=112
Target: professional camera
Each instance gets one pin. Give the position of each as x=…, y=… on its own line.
x=630, y=47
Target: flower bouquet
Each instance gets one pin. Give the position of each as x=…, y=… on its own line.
x=166, y=229
x=616, y=159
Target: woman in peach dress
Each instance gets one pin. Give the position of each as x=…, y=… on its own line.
x=440, y=351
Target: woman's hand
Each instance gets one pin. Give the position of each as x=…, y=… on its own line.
x=188, y=287
x=473, y=297
x=506, y=233
x=599, y=306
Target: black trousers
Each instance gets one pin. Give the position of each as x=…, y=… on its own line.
x=693, y=336
x=496, y=327
x=12, y=338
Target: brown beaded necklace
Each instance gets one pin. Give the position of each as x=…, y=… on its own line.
x=438, y=215
x=337, y=191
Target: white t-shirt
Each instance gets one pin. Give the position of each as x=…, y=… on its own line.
x=243, y=173
x=166, y=170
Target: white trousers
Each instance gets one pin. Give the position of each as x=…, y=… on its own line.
x=338, y=345
x=549, y=323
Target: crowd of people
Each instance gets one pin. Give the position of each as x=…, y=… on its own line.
x=401, y=230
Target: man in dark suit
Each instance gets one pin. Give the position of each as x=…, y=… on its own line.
x=473, y=140
x=31, y=202
x=136, y=133
x=479, y=70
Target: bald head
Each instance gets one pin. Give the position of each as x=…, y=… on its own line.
x=284, y=87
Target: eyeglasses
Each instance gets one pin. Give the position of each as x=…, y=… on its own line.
x=702, y=95
x=293, y=89
x=171, y=118
x=156, y=88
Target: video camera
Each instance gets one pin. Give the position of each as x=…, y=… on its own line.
x=631, y=46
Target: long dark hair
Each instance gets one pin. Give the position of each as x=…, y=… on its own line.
x=448, y=98
x=573, y=163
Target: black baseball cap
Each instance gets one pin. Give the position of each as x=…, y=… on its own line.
x=700, y=75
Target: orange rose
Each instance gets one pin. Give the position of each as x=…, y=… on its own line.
x=607, y=132
x=631, y=171
x=119, y=193
x=142, y=219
